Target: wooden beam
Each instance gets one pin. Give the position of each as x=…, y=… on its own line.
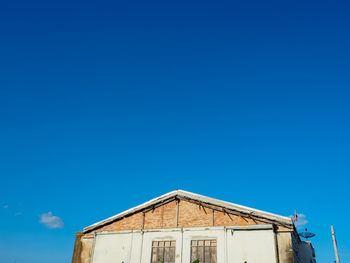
x=177, y=213
x=156, y=205
x=212, y=218
x=228, y=215
x=204, y=210
x=233, y=212
x=162, y=217
x=143, y=220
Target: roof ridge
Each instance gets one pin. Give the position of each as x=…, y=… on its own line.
x=196, y=197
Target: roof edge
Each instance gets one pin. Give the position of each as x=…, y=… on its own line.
x=184, y=194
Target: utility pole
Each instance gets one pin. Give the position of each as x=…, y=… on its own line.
x=335, y=245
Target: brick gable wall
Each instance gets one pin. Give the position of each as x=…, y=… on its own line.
x=189, y=215
x=168, y=215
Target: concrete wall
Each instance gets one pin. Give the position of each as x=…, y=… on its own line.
x=285, y=247
x=307, y=252
x=121, y=247
x=85, y=255
x=303, y=250
x=292, y=250
x=251, y=246
x=185, y=214
x=234, y=245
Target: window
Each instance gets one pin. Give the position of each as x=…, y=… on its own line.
x=203, y=250
x=163, y=252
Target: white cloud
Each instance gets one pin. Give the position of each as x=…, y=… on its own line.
x=302, y=221
x=51, y=221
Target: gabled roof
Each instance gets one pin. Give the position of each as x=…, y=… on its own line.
x=201, y=200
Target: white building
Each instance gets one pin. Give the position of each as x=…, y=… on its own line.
x=182, y=227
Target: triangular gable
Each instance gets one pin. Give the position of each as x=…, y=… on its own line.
x=200, y=201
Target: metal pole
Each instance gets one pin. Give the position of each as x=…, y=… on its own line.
x=335, y=246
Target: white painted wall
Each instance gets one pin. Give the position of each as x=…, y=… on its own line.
x=233, y=245
x=117, y=248
x=252, y=246
x=148, y=237
x=200, y=233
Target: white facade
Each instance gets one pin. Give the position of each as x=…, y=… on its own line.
x=249, y=244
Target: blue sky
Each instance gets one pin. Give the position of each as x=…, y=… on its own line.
x=104, y=106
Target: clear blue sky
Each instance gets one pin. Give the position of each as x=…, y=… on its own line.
x=106, y=105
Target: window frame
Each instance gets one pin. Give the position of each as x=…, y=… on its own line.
x=203, y=244
x=161, y=245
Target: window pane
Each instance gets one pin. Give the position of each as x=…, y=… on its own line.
x=172, y=255
x=193, y=254
x=163, y=251
x=213, y=255
x=154, y=255
x=207, y=254
x=204, y=251
x=200, y=254
x=167, y=255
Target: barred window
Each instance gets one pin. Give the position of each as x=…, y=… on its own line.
x=163, y=251
x=203, y=251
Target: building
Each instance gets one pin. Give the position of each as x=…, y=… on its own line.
x=183, y=227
